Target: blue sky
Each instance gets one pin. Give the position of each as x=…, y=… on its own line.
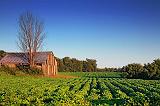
x=114, y=32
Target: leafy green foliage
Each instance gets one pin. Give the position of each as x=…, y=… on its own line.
x=82, y=91
x=32, y=71
x=148, y=71
x=68, y=64
x=5, y=70
x=153, y=69
x=133, y=70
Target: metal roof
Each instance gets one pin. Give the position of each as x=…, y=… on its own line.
x=17, y=58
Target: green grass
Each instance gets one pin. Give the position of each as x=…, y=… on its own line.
x=91, y=89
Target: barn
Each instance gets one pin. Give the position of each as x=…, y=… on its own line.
x=44, y=61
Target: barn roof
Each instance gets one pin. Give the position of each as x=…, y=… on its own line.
x=17, y=58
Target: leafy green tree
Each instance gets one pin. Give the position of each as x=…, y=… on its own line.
x=85, y=65
x=153, y=69
x=68, y=64
x=91, y=65
x=60, y=65
x=76, y=65
x=133, y=70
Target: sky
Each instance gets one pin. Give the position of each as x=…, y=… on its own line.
x=114, y=32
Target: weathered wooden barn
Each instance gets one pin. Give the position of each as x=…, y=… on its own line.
x=45, y=61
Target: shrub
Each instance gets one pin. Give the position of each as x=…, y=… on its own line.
x=35, y=71
x=30, y=70
x=8, y=70
x=20, y=70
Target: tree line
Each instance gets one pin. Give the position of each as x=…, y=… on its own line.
x=134, y=70
x=68, y=64
x=146, y=71
x=138, y=71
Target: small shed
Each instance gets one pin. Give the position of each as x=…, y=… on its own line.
x=44, y=61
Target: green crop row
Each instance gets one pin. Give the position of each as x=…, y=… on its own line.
x=82, y=91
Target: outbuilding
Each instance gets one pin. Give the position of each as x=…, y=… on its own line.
x=44, y=61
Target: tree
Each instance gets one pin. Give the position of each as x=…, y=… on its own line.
x=134, y=70
x=2, y=54
x=31, y=35
x=76, y=65
x=92, y=66
x=153, y=69
x=60, y=65
x=68, y=64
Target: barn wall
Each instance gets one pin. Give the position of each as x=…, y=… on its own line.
x=55, y=65
x=11, y=65
x=50, y=66
x=44, y=69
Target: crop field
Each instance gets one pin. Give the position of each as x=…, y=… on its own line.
x=95, y=74
x=102, y=89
